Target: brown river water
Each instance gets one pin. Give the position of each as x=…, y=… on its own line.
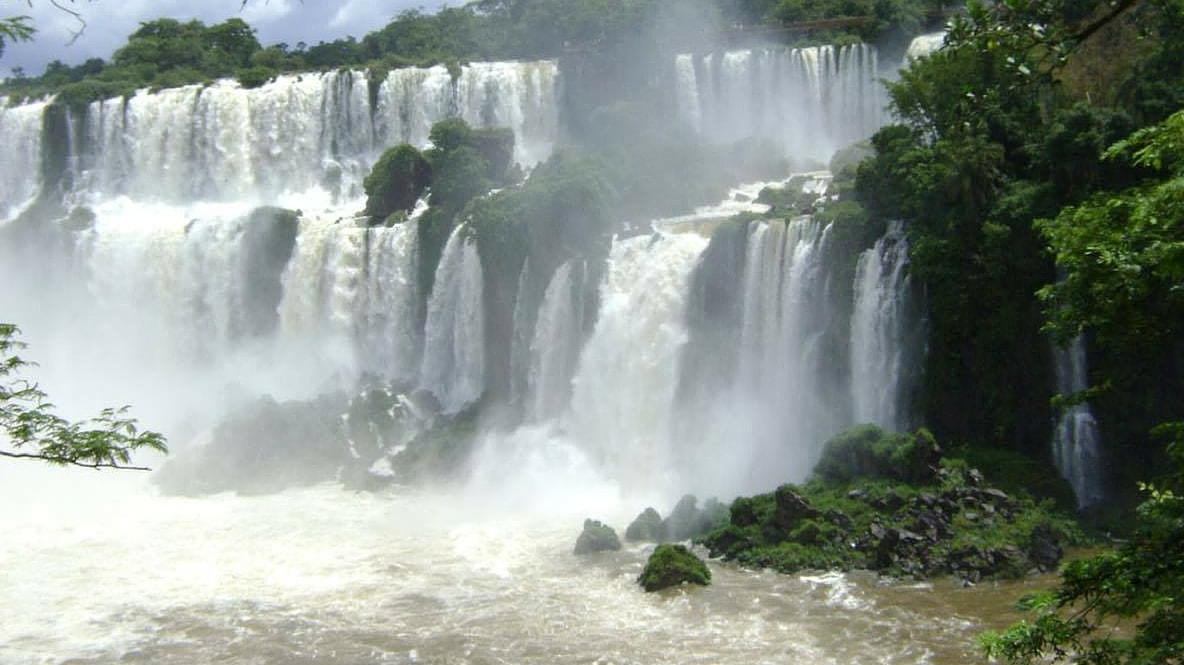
x=99, y=569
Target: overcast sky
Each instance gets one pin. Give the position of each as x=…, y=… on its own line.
x=109, y=22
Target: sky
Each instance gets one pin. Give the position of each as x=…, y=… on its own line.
x=109, y=22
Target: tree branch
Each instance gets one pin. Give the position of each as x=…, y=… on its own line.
x=65, y=461
x=74, y=34
x=1117, y=10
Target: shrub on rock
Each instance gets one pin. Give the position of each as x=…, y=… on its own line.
x=596, y=537
x=868, y=452
x=396, y=182
x=672, y=565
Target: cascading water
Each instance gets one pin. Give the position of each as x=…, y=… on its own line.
x=169, y=268
x=556, y=344
x=453, y=367
x=779, y=406
x=307, y=139
x=521, y=96
x=810, y=100
x=21, y=134
x=390, y=337
x=880, y=323
x=923, y=45
x=788, y=347
x=624, y=387
x=1077, y=448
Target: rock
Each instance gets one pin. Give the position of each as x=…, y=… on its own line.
x=1044, y=547
x=999, y=496
x=839, y=519
x=596, y=537
x=791, y=508
x=672, y=565
x=647, y=526
x=686, y=521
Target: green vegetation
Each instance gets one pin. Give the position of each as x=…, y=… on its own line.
x=673, y=565
x=396, y=182
x=34, y=431
x=998, y=131
x=892, y=503
x=1121, y=606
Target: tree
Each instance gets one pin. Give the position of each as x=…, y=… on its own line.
x=1142, y=582
x=34, y=431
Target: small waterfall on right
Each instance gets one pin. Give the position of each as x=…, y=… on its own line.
x=1077, y=445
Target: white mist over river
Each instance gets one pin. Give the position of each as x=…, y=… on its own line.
x=98, y=569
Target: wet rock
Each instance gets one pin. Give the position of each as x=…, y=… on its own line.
x=687, y=521
x=596, y=537
x=647, y=526
x=1044, y=548
x=673, y=565
x=839, y=519
x=791, y=508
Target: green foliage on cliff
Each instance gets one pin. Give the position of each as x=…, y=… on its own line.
x=997, y=132
x=396, y=182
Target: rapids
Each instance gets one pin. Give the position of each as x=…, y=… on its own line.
x=98, y=569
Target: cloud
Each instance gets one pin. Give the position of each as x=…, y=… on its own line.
x=267, y=11
x=109, y=22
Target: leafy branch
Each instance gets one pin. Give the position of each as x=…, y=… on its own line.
x=34, y=431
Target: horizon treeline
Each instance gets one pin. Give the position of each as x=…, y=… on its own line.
x=166, y=52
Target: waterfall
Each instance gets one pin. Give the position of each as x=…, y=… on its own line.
x=389, y=320
x=625, y=382
x=453, y=368
x=21, y=131
x=521, y=96
x=302, y=139
x=880, y=322
x=800, y=354
x=810, y=100
x=1077, y=446
x=782, y=384
x=523, y=332
x=175, y=270
x=923, y=45
x=556, y=343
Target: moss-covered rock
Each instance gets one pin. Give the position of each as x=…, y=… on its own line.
x=647, y=526
x=889, y=503
x=672, y=565
x=596, y=537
